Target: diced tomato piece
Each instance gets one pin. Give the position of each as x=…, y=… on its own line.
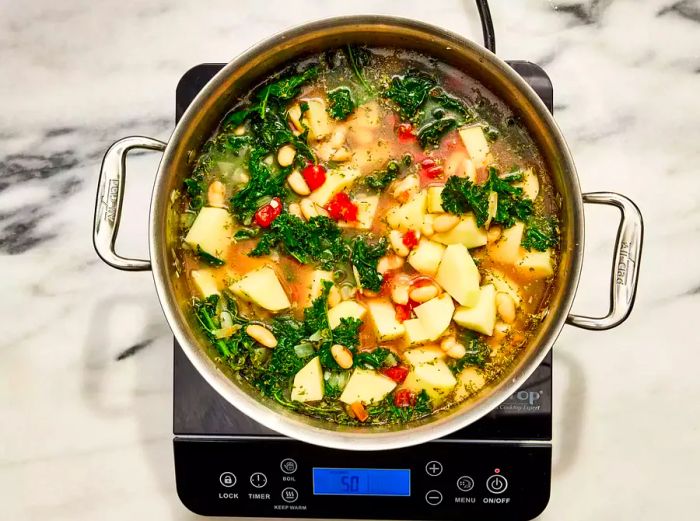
x=341, y=208
x=404, y=398
x=268, y=212
x=398, y=373
x=405, y=132
x=403, y=312
x=431, y=168
x=410, y=239
x=314, y=175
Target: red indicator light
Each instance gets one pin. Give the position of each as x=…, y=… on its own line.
x=497, y=471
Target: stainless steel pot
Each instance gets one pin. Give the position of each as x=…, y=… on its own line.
x=234, y=80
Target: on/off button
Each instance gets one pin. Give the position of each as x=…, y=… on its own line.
x=497, y=484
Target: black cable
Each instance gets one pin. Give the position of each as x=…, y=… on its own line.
x=486, y=25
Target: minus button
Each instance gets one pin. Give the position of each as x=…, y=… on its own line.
x=433, y=497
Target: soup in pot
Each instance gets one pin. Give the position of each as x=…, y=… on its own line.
x=368, y=237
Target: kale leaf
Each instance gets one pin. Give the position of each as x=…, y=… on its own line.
x=540, y=233
x=347, y=333
x=208, y=258
x=359, y=58
x=409, y=92
x=262, y=186
x=380, y=179
x=318, y=240
x=374, y=358
x=432, y=132
x=365, y=257
x=340, y=103
x=478, y=352
x=461, y=195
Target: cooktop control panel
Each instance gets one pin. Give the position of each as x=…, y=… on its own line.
x=276, y=477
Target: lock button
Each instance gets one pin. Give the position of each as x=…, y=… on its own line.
x=227, y=479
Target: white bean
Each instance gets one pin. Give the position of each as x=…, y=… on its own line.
x=216, y=195
x=298, y=183
x=396, y=241
x=457, y=351
x=505, y=307
x=308, y=208
x=408, y=186
x=424, y=293
x=399, y=293
x=445, y=222
x=342, y=356
x=295, y=210
x=389, y=262
x=262, y=335
x=285, y=155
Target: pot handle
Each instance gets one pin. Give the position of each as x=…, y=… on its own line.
x=625, y=269
x=108, y=206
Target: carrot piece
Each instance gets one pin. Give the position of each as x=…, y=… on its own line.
x=359, y=410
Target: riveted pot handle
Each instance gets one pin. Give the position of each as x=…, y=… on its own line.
x=108, y=207
x=625, y=270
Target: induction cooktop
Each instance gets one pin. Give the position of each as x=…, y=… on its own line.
x=228, y=465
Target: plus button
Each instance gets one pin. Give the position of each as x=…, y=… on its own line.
x=433, y=468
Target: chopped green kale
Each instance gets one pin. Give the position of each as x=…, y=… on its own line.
x=340, y=103
x=431, y=133
x=365, y=257
x=380, y=179
x=374, y=358
x=460, y=196
x=478, y=352
x=409, y=92
x=540, y=233
x=318, y=240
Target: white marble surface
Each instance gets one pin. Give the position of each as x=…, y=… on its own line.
x=85, y=435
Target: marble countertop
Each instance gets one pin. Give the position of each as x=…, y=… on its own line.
x=85, y=354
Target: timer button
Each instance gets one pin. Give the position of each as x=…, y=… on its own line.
x=465, y=483
x=227, y=479
x=497, y=484
x=288, y=466
x=433, y=497
x=433, y=468
x=258, y=479
x=290, y=495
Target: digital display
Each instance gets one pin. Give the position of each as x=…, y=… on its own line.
x=362, y=482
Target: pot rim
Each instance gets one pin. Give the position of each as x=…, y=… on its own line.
x=370, y=438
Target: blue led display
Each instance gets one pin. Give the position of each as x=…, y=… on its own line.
x=362, y=482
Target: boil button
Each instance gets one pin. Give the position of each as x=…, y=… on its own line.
x=497, y=484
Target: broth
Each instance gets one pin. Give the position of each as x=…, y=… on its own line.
x=369, y=237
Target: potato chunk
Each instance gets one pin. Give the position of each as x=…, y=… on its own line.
x=345, y=309
x=482, y=316
x=366, y=386
x=458, y=275
x=409, y=216
x=466, y=232
x=426, y=257
x=211, y=232
x=435, y=315
x=205, y=281
x=308, y=382
x=336, y=182
x=262, y=287
x=430, y=374
x=384, y=317
x=476, y=144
